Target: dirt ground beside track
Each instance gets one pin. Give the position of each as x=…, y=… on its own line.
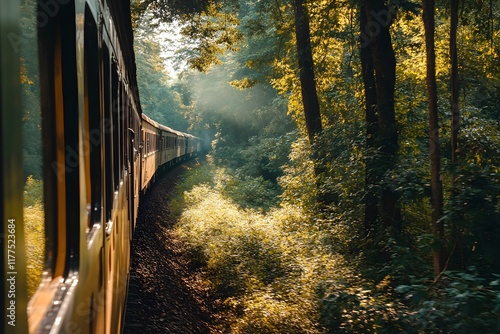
x=166, y=293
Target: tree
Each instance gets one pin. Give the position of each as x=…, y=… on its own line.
x=159, y=101
x=167, y=10
x=310, y=100
x=455, y=111
x=434, y=148
x=306, y=71
x=371, y=197
x=379, y=76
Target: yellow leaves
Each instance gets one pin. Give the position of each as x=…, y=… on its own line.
x=268, y=267
x=243, y=84
x=25, y=80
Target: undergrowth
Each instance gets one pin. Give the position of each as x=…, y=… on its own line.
x=272, y=270
x=283, y=269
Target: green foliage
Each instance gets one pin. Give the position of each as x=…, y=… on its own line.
x=298, y=181
x=358, y=306
x=215, y=31
x=474, y=212
x=251, y=192
x=159, y=100
x=201, y=175
x=264, y=156
x=267, y=312
x=460, y=302
x=32, y=137
x=274, y=257
x=167, y=10
x=34, y=229
x=237, y=245
x=33, y=192
x=265, y=267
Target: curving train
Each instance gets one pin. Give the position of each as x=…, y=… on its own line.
x=100, y=152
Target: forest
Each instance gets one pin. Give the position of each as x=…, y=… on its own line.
x=352, y=180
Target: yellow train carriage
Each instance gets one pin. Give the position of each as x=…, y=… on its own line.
x=89, y=119
x=99, y=153
x=150, y=156
x=168, y=144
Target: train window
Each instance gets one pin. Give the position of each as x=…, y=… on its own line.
x=108, y=144
x=61, y=149
x=115, y=95
x=124, y=118
x=70, y=120
x=93, y=119
x=33, y=213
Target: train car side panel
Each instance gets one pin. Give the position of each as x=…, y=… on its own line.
x=150, y=158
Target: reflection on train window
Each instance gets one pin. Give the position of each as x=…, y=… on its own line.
x=108, y=132
x=34, y=217
x=115, y=103
x=93, y=120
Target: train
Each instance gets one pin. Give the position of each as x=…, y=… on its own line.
x=100, y=152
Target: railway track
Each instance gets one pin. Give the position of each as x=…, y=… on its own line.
x=166, y=294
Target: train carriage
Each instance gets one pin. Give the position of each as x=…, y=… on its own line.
x=99, y=153
x=150, y=158
x=87, y=98
x=169, y=139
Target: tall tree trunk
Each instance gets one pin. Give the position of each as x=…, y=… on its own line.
x=306, y=68
x=455, y=111
x=436, y=186
x=455, y=121
x=383, y=60
x=310, y=99
x=371, y=177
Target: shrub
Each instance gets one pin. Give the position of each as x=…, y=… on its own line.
x=459, y=302
x=265, y=267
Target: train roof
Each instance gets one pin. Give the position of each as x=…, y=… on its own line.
x=163, y=127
